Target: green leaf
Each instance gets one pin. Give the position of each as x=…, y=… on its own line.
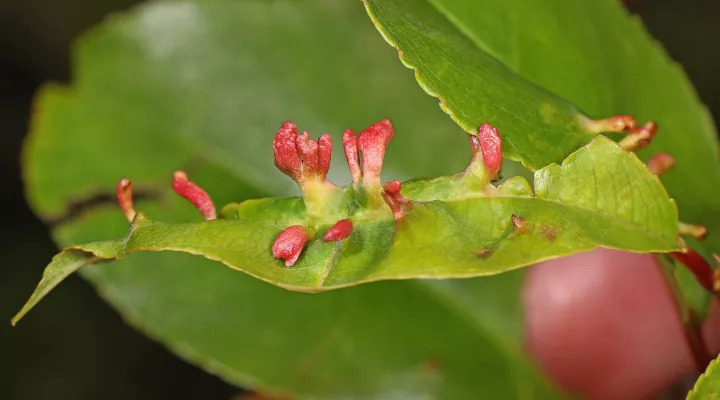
x=600, y=196
x=592, y=53
x=707, y=386
x=64, y=264
x=202, y=87
x=474, y=87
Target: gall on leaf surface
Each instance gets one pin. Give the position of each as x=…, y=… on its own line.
x=455, y=226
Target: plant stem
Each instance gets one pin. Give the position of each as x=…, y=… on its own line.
x=693, y=334
x=692, y=326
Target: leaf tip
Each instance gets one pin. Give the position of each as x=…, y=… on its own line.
x=15, y=319
x=29, y=305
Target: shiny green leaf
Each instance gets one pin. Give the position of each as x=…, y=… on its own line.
x=202, y=86
x=600, y=196
x=593, y=54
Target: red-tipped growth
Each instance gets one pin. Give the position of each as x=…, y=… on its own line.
x=397, y=202
x=490, y=143
x=695, y=231
x=194, y=194
x=300, y=157
x=289, y=244
x=349, y=141
x=287, y=158
x=697, y=265
x=639, y=137
x=371, y=143
x=620, y=123
x=341, y=230
x=660, y=163
x=123, y=190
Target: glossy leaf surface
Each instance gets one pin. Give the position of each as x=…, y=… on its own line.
x=600, y=196
x=209, y=103
x=593, y=54
x=179, y=85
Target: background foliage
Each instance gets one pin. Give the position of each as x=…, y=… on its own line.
x=113, y=365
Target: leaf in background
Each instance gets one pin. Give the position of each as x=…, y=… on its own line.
x=602, y=196
x=707, y=386
x=201, y=87
x=474, y=87
x=591, y=53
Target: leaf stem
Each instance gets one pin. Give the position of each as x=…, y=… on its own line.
x=693, y=334
x=692, y=326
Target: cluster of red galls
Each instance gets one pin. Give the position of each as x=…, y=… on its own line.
x=307, y=162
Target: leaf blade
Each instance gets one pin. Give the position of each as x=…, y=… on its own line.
x=599, y=57
x=248, y=332
x=482, y=235
x=62, y=266
x=708, y=384
x=546, y=130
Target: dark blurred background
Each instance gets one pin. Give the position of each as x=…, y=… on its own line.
x=75, y=346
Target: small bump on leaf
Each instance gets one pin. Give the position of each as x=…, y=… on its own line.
x=484, y=253
x=341, y=230
x=518, y=224
x=549, y=232
x=397, y=203
x=290, y=243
